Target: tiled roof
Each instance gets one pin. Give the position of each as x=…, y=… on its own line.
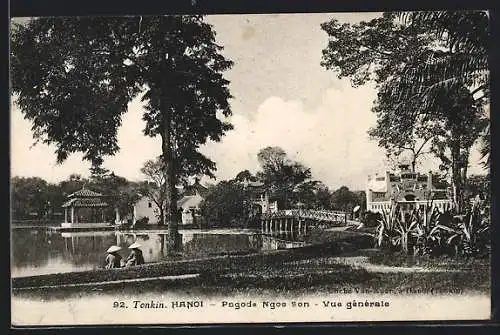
x=84, y=193
x=189, y=201
x=85, y=203
x=196, y=188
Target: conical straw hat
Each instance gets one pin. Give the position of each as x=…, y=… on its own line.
x=113, y=248
x=134, y=245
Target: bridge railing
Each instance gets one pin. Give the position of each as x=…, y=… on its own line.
x=319, y=215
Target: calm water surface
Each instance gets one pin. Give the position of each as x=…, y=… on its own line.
x=37, y=251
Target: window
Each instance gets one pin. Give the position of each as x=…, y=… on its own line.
x=150, y=204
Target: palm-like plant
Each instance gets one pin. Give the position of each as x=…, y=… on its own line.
x=396, y=228
x=430, y=232
x=461, y=58
x=385, y=231
x=471, y=235
x=424, y=234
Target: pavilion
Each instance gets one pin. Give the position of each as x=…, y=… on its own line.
x=85, y=208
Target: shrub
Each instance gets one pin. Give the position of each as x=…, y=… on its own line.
x=370, y=219
x=434, y=233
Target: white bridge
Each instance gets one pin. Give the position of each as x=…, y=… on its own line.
x=297, y=220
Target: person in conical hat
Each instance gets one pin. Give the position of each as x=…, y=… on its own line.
x=135, y=257
x=113, y=259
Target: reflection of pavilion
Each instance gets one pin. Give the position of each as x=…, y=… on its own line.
x=86, y=209
x=85, y=241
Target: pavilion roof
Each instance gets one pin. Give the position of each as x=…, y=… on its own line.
x=84, y=193
x=88, y=202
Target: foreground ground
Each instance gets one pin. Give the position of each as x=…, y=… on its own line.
x=364, y=270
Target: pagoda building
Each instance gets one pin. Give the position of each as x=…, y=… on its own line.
x=85, y=208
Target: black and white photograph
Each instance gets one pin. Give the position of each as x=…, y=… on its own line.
x=250, y=168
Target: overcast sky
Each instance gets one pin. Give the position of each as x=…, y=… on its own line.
x=282, y=97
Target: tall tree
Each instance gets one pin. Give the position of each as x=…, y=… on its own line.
x=281, y=174
x=28, y=196
x=74, y=183
x=460, y=124
x=344, y=199
x=154, y=186
x=407, y=56
x=462, y=62
x=226, y=204
x=74, y=77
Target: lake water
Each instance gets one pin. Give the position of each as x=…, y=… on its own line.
x=37, y=251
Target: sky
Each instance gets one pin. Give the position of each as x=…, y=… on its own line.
x=282, y=97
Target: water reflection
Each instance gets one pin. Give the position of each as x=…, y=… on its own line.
x=39, y=251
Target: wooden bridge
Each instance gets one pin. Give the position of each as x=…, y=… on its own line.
x=297, y=220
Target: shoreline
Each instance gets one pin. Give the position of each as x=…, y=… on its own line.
x=218, y=264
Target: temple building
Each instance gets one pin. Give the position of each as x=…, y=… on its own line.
x=407, y=188
x=85, y=208
x=259, y=196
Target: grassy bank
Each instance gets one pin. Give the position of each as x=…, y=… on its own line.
x=313, y=269
x=292, y=277
x=448, y=262
x=219, y=264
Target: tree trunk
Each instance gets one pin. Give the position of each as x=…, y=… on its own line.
x=413, y=161
x=171, y=191
x=168, y=155
x=162, y=216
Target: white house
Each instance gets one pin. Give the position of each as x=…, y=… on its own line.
x=188, y=205
x=409, y=189
x=145, y=208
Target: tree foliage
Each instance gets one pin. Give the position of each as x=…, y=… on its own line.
x=281, y=174
x=428, y=69
x=29, y=196
x=74, y=77
x=35, y=198
x=154, y=185
x=344, y=199
x=226, y=204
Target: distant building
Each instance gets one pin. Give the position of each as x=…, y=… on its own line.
x=188, y=206
x=259, y=196
x=407, y=188
x=189, y=203
x=85, y=208
x=145, y=208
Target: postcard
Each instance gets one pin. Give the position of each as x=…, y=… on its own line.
x=250, y=168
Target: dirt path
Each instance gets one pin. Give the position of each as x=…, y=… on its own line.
x=113, y=282
x=363, y=262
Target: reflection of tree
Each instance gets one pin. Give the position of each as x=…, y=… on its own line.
x=152, y=245
x=87, y=249
x=29, y=248
x=39, y=248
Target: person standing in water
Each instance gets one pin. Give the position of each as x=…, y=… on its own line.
x=113, y=259
x=135, y=257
